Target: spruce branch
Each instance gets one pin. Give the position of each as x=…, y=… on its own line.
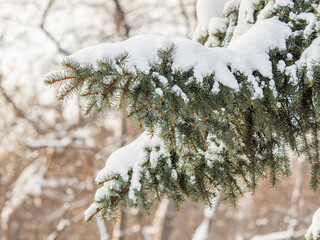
x=206, y=133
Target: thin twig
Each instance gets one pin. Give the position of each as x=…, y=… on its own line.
x=49, y=35
x=185, y=15
x=18, y=112
x=121, y=19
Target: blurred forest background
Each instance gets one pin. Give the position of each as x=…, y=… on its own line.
x=50, y=153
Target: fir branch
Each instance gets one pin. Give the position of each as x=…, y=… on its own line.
x=216, y=135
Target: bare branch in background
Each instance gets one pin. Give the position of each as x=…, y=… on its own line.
x=119, y=227
x=296, y=195
x=124, y=128
x=202, y=232
x=59, y=229
x=26, y=185
x=159, y=219
x=18, y=112
x=102, y=229
x=291, y=232
x=65, y=208
x=162, y=222
x=185, y=15
x=49, y=35
x=62, y=225
x=281, y=235
x=121, y=21
x=62, y=143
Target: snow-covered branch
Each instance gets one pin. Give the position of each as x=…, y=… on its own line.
x=214, y=117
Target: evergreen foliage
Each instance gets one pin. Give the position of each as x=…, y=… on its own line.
x=223, y=140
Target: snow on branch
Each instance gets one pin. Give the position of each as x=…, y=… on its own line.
x=248, y=54
x=314, y=230
x=213, y=117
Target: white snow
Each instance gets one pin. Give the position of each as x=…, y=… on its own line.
x=94, y=207
x=217, y=24
x=314, y=229
x=291, y=71
x=100, y=99
x=136, y=175
x=310, y=57
x=161, y=78
x=105, y=191
x=266, y=11
x=289, y=56
x=206, y=11
x=281, y=66
x=240, y=30
x=284, y=3
x=154, y=158
x=158, y=150
x=174, y=174
x=178, y=91
x=140, y=57
x=230, y=6
x=119, y=70
x=311, y=20
x=246, y=11
x=255, y=44
x=120, y=161
x=246, y=54
x=159, y=91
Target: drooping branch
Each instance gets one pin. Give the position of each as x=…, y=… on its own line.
x=213, y=117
